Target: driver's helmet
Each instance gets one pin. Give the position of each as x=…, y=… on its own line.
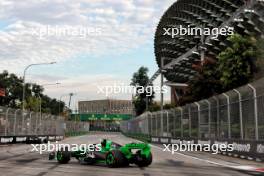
x=103, y=143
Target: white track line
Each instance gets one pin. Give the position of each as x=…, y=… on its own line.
x=244, y=168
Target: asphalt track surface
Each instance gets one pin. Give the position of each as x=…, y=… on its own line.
x=18, y=160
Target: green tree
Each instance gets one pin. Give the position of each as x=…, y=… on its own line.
x=205, y=84
x=32, y=104
x=154, y=107
x=52, y=106
x=13, y=86
x=169, y=106
x=260, y=59
x=37, y=89
x=235, y=66
x=236, y=63
x=140, y=80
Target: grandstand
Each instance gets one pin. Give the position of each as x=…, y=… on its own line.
x=180, y=52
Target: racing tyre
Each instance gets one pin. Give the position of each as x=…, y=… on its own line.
x=63, y=156
x=142, y=161
x=89, y=161
x=52, y=156
x=115, y=158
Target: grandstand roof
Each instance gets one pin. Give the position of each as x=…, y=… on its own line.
x=182, y=51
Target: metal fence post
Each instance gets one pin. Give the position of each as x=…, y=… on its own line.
x=181, y=122
x=15, y=121
x=147, y=124
x=240, y=113
x=167, y=123
x=161, y=122
x=151, y=124
x=6, y=121
x=41, y=125
x=174, y=123
x=23, y=123
x=228, y=115
x=217, y=116
x=30, y=126
x=209, y=117
x=255, y=111
x=190, y=122
x=156, y=124
x=36, y=124
x=199, y=118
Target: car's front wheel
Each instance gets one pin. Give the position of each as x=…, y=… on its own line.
x=63, y=156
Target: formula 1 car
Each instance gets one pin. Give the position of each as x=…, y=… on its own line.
x=111, y=154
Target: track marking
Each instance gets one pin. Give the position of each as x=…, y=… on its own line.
x=53, y=167
x=42, y=173
x=10, y=157
x=243, y=168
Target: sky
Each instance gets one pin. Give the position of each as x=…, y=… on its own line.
x=95, y=43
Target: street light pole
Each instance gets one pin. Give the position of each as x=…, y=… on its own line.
x=70, y=97
x=71, y=94
x=161, y=85
x=161, y=94
x=24, y=78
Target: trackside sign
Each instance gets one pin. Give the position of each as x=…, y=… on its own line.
x=103, y=117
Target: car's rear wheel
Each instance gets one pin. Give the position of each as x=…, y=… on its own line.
x=143, y=161
x=63, y=156
x=115, y=158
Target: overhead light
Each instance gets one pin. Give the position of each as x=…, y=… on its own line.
x=239, y=19
x=195, y=52
x=210, y=44
x=249, y=10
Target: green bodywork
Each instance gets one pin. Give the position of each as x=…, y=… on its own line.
x=129, y=151
x=143, y=148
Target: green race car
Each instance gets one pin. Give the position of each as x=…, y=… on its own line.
x=111, y=154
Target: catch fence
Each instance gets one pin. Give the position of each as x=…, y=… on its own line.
x=236, y=114
x=14, y=123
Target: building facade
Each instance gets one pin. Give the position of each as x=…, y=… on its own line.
x=108, y=106
x=104, y=114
